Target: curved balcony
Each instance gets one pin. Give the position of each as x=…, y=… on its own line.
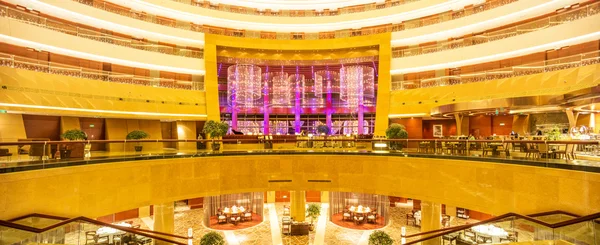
x=93, y=34
x=20, y=62
x=296, y=13
x=579, y=60
x=503, y=33
x=406, y=25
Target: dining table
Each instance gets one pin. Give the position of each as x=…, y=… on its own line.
x=111, y=232
x=490, y=231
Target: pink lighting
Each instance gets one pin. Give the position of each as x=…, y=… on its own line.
x=244, y=86
x=356, y=83
x=281, y=87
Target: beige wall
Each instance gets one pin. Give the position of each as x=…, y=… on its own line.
x=483, y=17
x=172, y=63
x=117, y=129
x=12, y=128
x=152, y=31
x=101, y=189
x=549, y=35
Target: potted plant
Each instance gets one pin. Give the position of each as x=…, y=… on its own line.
x=313, y=212
x=380, y=238
x=323, y=129
x=212, y=238
x=200, y=145
x=137, y=135
x=215, y=130
x=72, y=135
x=396, y=131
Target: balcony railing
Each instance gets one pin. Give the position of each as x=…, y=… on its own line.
x=75, y=71
x=578, y=60
x=48, y=229
x=295, y=13
x=411, y=24
x=577, y=155
x=532, y=26
x=543, y=228
x=91, y=34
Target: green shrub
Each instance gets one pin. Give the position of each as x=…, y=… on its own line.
x=215, y=129
x=313, y=211
x=74, y=134
x=137, y=135
x=380, y=238
x=212, y=238
x=396, y=131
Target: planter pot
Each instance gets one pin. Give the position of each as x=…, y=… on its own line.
x=138, y=148
x=65, y=154
x=216, y=146
x=311, y=227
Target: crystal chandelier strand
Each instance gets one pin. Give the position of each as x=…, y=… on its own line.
x=244, y=87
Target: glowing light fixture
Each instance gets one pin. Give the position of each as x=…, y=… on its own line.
x=356, y=83
x=244, y=86
x=281, y=88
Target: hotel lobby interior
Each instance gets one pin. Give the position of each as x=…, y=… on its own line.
x=338, y=122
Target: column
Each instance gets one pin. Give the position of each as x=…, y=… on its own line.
x=462, y=126
x=298, y=205
x=572, y=117
x=266, y=109
x=164, y=219
x=297, y=110
x=361, y=120
x=431, y=214
x=270, y=197
x=328, y=107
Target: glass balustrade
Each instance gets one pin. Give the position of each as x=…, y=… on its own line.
x=74, y=71
x=411, y=24
x=512, y=228
x=579, y=60
x=491, y=36
x=29, y=155
x=95, y=35
x=82, y=231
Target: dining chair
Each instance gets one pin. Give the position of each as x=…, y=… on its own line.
x=570, y=152
x=471, y=235
x=90, y=237
x=286, y=225
x=486, y=148
x=118, y=238
x=358, y=219
x=372, y=218
x=484, y=239
x=346, y=215
x=247, y=215
x=411, y=218
x=235, y=219
x=221, y=218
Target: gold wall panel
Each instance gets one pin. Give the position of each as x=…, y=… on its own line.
x=43, y=89
x=550, y=83
x=12, y=128
x=100, y=189
x=117, y=129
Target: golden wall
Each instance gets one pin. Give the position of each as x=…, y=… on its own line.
x=550, y=83
x=43, y=89
x=101, y=189
x=117, y=129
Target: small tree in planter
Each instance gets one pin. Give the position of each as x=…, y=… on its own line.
x=396, y=131
x=215, y=130
x=323, y=129
x=380, y=238
x=313, y=212
x=72, y=135
x=137, y=135
x=212, y=238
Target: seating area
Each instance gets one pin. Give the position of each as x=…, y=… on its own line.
x=234, y=215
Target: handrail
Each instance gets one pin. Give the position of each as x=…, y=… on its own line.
x=568, y=62
x=324, y=139
x=504, y=216
x=534, y=25
x=21, y=62
x=96, y=222
x=89, y=33
x=406, y=25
